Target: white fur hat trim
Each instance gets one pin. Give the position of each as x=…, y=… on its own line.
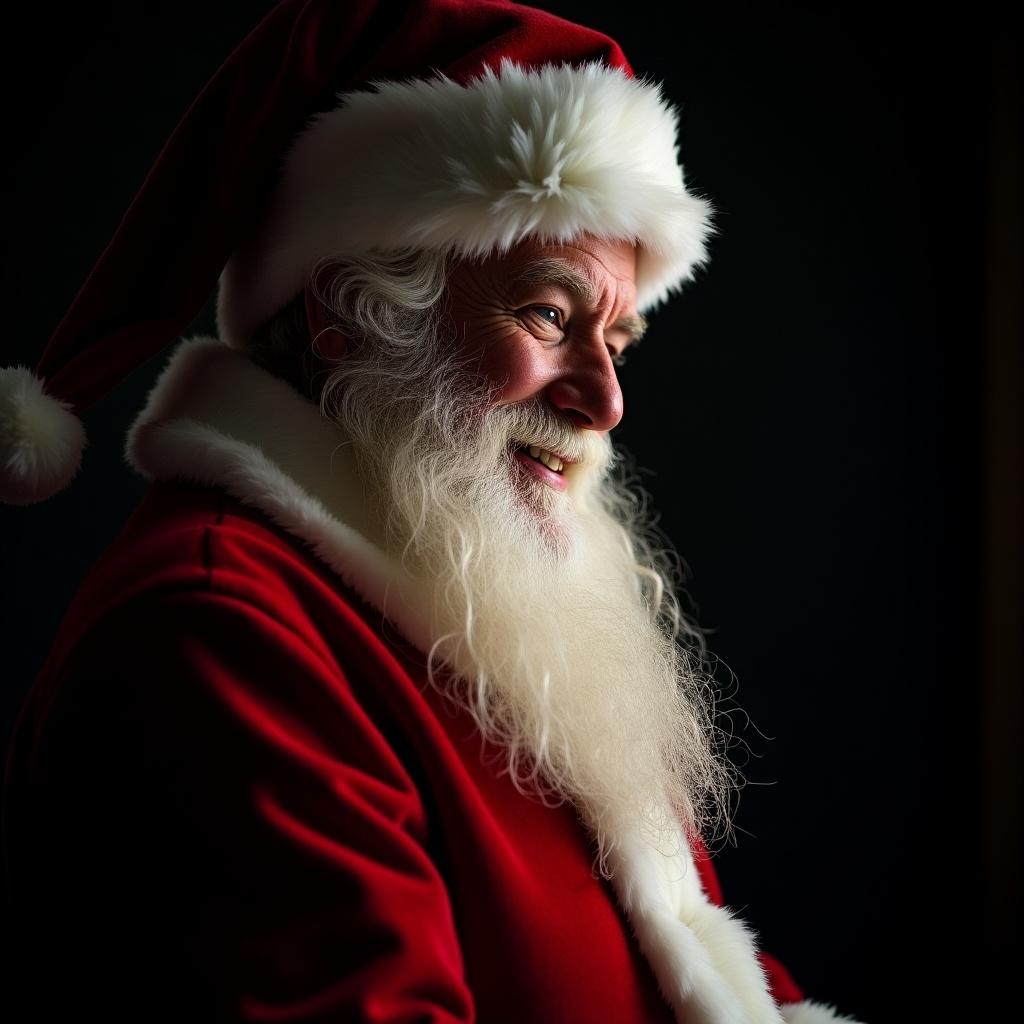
x=473, y=169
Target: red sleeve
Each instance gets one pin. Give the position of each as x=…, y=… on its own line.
x=214, y=829
x=780, y=982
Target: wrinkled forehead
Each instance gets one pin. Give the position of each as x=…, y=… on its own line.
x=587, y=266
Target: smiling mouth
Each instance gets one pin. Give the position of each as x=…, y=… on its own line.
x=553, y=462
x=543, y=465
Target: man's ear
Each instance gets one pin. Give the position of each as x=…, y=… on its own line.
x=329, y=343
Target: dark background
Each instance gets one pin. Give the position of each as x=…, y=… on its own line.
x=827, y=416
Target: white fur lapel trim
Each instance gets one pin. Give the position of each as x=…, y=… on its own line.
x=810, y=1012
x=204, y=421
x=704, y=959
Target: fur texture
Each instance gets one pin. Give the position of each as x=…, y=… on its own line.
x=472, y=170
x=703, y=957
x=810, y=1012
x=41, y=440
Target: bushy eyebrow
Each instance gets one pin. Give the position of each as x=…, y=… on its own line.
x=556, y=272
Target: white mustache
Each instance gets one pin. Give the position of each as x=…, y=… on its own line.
x=533, y=423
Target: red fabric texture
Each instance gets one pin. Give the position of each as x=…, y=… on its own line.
x=783, y=987
x=232, y=795
x=218, y=166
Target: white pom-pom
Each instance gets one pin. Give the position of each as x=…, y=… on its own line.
x=41, y=442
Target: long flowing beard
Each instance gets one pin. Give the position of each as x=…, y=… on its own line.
x=548, y=623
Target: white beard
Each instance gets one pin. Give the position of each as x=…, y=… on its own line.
x=548, y=608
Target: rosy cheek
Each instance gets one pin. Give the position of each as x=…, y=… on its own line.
x=523, y=374
x=517, y=366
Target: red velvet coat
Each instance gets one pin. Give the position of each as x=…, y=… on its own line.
x=233, y=794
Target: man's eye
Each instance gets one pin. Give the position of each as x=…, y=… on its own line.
x=550, y=316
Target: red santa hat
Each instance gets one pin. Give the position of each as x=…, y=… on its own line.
x=339, y=127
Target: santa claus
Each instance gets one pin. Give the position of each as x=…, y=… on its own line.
x=381, y=707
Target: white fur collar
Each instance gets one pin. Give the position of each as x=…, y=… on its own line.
x=208, y=420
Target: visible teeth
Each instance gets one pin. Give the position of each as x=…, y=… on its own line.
x=552, y=461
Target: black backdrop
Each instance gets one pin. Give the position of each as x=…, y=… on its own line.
x=811, y=414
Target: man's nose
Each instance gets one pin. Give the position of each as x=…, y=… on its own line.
x=588, y=391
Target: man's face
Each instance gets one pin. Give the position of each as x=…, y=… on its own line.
x=546, y=323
